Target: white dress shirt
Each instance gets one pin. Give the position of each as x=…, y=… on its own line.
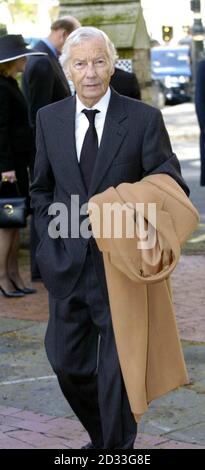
x=82, y=123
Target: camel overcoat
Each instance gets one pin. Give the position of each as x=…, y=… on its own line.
x=143, y=317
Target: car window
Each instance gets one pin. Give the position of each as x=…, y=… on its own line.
x=169, y=58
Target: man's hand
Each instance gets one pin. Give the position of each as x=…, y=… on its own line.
x=9, y=176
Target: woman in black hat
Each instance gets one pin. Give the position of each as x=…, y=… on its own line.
x=16, y=150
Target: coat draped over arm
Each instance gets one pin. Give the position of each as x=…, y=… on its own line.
x=143, y=317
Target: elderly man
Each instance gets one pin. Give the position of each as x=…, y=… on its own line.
x=86, y=144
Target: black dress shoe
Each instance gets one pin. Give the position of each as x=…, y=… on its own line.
x=24, y=290
x=27, y=290
x=11, y=294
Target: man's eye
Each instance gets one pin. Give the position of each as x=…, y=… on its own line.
x=79, y=65
x=100, y=62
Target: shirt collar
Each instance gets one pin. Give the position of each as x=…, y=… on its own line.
x=101, y=105
x=51, y=46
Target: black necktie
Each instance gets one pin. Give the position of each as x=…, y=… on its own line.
x=89, y=148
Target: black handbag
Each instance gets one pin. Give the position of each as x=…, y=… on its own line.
x=13, y=208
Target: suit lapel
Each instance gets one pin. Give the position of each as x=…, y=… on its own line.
x=113, y=135
x=67, y=147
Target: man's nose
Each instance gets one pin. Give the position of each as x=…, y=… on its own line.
x=90, y=71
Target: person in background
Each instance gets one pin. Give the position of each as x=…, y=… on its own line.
x=16, y=148
x=200, y=112
x=125, y=83
x=44, y=83
x=85, y=144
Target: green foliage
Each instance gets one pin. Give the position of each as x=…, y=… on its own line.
x=20, y=8
x=3, y=29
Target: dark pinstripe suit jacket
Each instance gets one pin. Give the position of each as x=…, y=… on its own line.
x=134, y=143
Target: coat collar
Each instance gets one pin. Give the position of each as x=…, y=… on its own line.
x=41, y=46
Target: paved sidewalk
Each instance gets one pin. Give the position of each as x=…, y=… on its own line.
x=181, y=122
x=189, y=297
x=183, y=428
x=27, y=430
x=189, y=308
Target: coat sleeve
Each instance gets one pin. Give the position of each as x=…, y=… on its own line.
x=42, y=187
x=6, y=154
x=157, y=154
x=200, y=96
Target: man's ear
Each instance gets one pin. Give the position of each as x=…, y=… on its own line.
x=65, y=34
x=112, y=70
x=68, y=73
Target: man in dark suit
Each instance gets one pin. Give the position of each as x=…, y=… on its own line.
x=85, y=144
x=44, y=82
x=200, y=111
x=125, y=83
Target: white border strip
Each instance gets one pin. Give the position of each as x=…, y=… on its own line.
x=31, y=379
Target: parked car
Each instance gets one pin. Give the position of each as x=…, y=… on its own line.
x=171, y=72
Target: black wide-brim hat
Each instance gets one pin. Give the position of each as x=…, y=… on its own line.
x=13, y=46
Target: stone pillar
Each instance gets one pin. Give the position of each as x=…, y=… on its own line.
x=124, y=23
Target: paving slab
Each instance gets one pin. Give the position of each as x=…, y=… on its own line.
x=49, y=435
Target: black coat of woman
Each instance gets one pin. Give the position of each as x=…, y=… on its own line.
x=16, y=139
x=16, y=151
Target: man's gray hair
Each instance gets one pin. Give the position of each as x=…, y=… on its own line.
x=85, y=33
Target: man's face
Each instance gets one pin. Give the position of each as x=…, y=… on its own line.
x=90, y=70
x=21, y=64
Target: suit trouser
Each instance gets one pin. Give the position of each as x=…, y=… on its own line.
x=34, y=241
x=88, y=370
